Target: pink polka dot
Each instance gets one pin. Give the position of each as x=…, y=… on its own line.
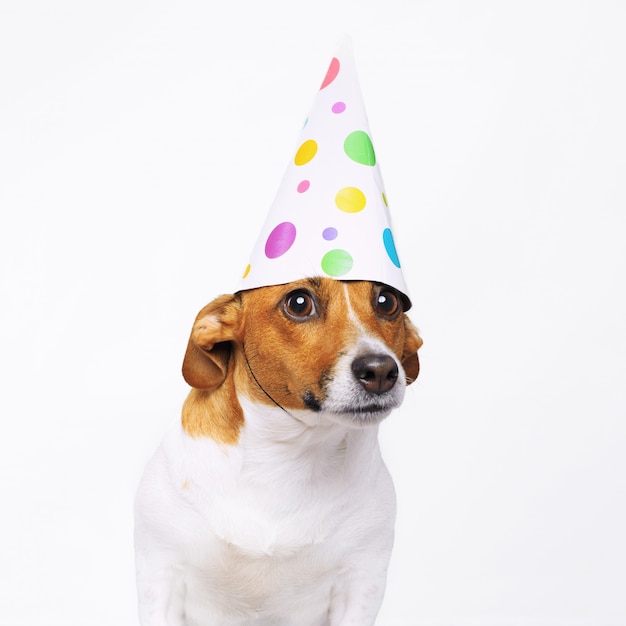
x=280, y=240
x=339, y=107
x=331, y=74
x=303, y=185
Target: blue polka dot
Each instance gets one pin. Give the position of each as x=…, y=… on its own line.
x=390, y=247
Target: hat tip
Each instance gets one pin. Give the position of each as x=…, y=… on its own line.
x=345, y=43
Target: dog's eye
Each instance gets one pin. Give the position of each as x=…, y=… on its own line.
x=387, y=303
x=299, y=305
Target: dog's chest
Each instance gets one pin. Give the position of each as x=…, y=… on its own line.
x=264, y=507
x=232, y=581
x=264, y=541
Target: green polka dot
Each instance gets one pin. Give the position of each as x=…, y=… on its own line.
x=337, y=262
x=358, y=146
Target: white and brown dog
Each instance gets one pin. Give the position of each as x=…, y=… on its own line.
x=271, y=504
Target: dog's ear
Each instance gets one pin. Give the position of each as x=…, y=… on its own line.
x=208, y=352
x=412, y=343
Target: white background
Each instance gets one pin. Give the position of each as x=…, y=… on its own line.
x=141, y=144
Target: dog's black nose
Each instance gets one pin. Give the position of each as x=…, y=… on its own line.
x=376, y=372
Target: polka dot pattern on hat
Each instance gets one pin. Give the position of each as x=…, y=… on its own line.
x=330, y=216
x=358, y=147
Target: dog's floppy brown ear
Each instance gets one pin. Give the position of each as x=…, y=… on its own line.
x=208, y=352
x=412, y=343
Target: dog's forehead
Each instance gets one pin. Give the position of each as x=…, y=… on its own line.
x=359, y=293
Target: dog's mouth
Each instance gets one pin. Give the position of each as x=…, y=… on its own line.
x=360, y=417
x=357, y=411
x=366, y=414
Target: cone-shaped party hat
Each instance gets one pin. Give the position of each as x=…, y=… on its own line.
x=330, y=215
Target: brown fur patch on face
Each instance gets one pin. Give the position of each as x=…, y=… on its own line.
x=289, y=361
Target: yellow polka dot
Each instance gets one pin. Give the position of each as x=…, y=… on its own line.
x=247, y=271
x=350, y=200
x=305, y=152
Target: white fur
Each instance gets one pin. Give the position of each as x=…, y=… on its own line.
x=293, y=526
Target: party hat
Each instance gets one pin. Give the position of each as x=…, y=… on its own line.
x=330, y=215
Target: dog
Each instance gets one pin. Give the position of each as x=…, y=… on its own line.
x=270, y=503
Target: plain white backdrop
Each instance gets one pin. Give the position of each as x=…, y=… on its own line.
x=141, y=144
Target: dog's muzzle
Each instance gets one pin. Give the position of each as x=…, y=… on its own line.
x=365, y=387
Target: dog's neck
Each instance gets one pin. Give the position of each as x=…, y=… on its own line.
x=274, y=448
x=304, y=446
